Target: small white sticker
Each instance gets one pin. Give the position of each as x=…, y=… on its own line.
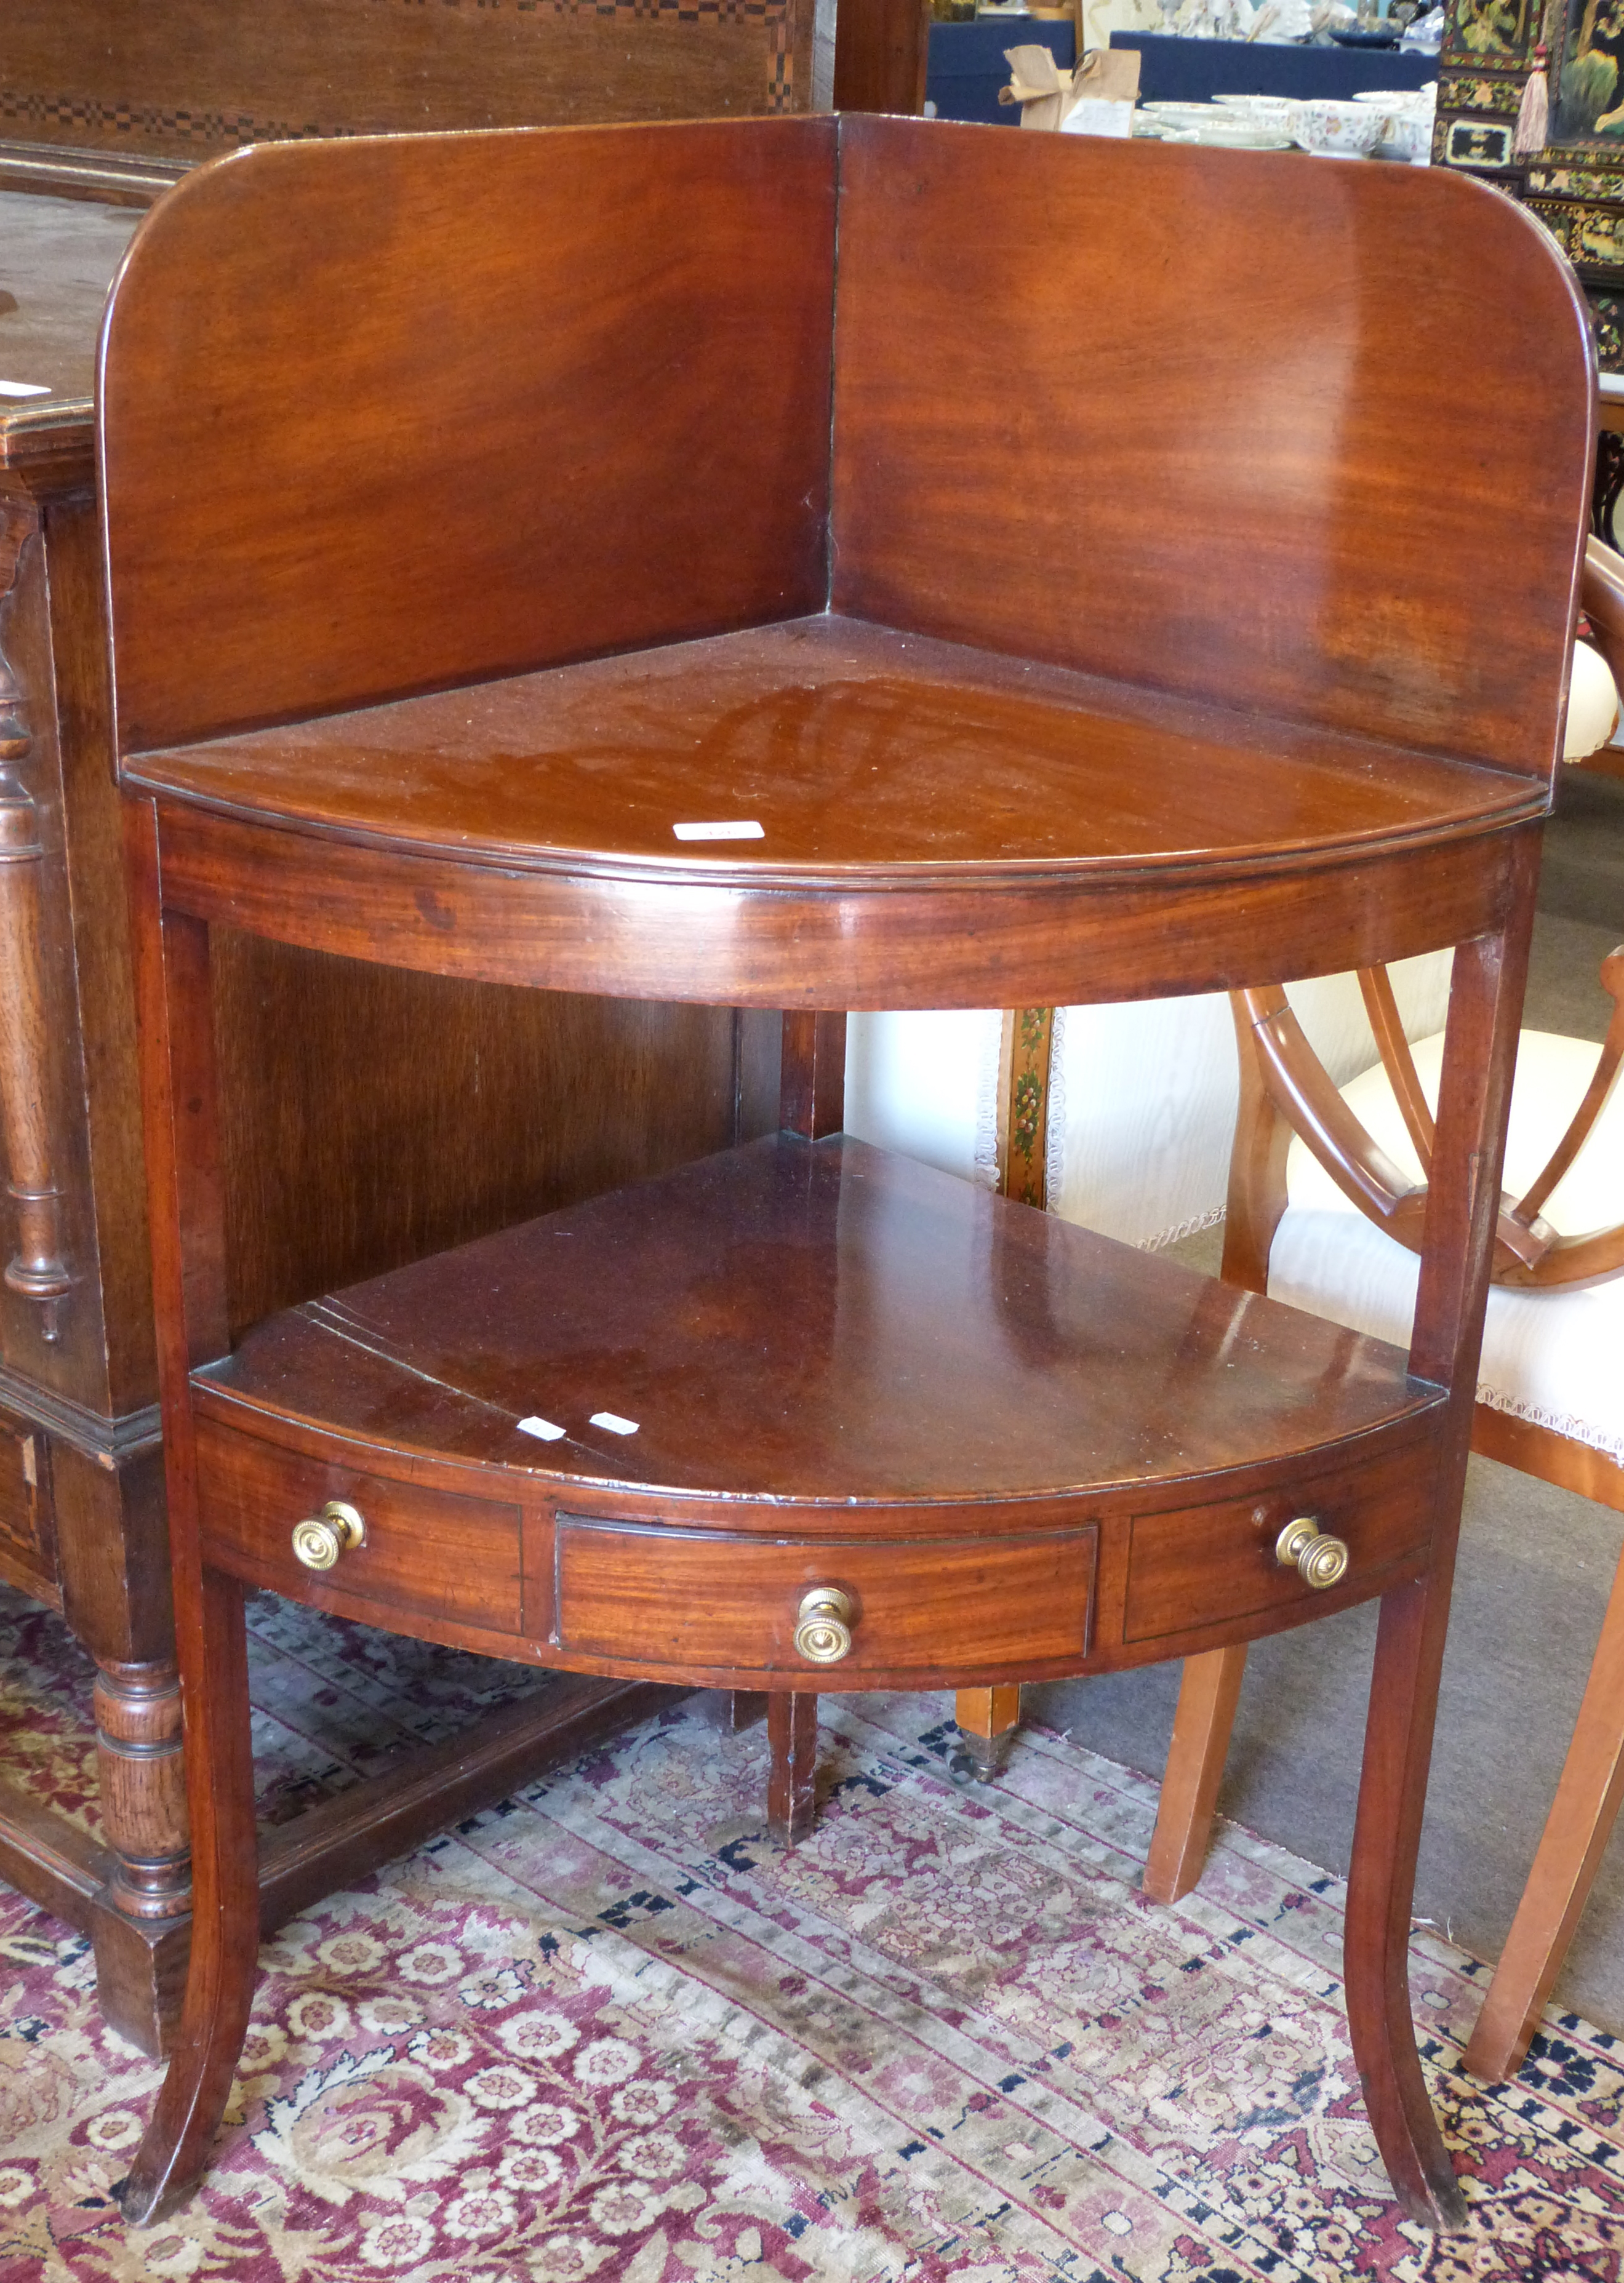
x=23, y=388
x=543, y=1428
x=737, y=828
x=614, y=1422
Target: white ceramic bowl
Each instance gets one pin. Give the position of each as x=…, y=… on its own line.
x=1408, y=134
x=1181, y=114
x=1337, y=130
x=1242, y=134
x=1262, y=110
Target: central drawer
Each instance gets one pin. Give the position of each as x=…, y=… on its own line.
x=656, y=1596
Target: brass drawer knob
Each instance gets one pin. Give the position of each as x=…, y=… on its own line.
x=1318, y=1559
x=822, y=1627
x=337, y=1529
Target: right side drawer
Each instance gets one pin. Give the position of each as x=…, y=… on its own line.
x=1203, y=1565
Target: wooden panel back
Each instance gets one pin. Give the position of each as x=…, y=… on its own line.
x=187, y=79
x=1306, y=438
x=386, y=416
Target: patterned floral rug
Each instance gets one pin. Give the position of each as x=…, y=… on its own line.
x=607, y=2030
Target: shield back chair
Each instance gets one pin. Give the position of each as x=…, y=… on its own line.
x=575, y=562
x=1324, y=1186
x=1122, y=1118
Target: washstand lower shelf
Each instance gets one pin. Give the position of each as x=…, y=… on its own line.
x=809, y=1414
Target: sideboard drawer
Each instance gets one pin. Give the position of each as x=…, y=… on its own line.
x=28, y=1540
x=1206, y=1564
x=437, y=1553
x=696, y=1599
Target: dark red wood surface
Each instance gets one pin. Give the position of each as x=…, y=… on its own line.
x=643, y=385
x=1371, y=609
x=795, y=1324
x=863, y=754
x=1219, y=495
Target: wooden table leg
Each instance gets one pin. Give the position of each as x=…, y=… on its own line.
x=1571, y=1848
x=791, y=1740
x=1207, y=1696
x=181, y=1131
x=988, y=1719
x=1463, y=1198
x=225, y=1927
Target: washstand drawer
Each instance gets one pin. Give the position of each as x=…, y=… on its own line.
x=435, y=1553
x=656, y=1596
x=1206, y=1564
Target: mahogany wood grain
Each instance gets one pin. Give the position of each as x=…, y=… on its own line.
x=1223, y=1555
x=812, y=1080
x=426, y=1550
x=792, y=1787
x=466, y=758
x=788, y=946
x=656, y=418
x=1486, y=997
x=370, y=1117
x=940, y=525
x=367, y=1117
x=658, y=1596
x=880, y=55
x=797, y=1327
x=1033, y=773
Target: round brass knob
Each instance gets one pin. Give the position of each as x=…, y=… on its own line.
x=337, y=1529
x=1318, y=1559
x=823, y=1627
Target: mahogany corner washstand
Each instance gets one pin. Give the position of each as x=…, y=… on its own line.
x=561, y=568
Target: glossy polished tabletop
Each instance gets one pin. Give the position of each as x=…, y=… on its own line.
x=821, y=1322
x=849, y=749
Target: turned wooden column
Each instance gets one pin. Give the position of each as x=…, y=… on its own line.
x=36, y=1268
x=143, y=1782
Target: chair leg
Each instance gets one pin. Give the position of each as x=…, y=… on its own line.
x=225, y=1924
x=988, y=1719
x=1207, y=1696
x=1380, y=1889
x=1576, y=1833
x=792, y=1745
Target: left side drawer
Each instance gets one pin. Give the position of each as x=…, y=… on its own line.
x=435, y=1553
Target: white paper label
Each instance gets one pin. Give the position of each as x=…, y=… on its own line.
x=737, y=828
x=543, y=1428
x=1097, y=115
x=23, y=388
x=614, y=1422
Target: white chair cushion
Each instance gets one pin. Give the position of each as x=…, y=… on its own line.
x=1556, y=1357
x=1592, y=705
x=1141, y=1096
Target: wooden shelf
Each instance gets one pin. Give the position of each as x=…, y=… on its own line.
x=863, y=753
x=817, y=1324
